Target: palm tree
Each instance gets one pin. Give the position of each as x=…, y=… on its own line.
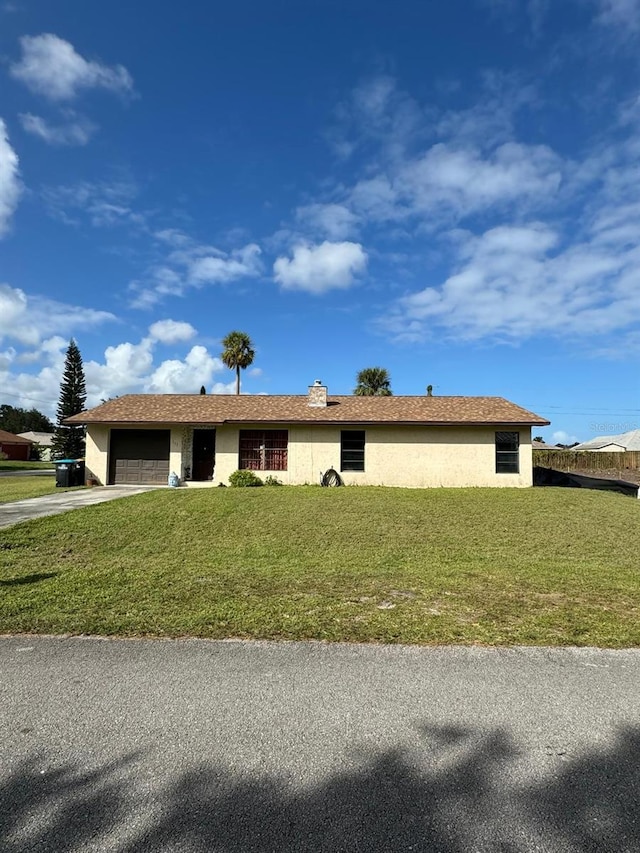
x=238, y=353
x=373, y=382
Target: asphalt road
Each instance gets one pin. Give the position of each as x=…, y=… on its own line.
x=239, y=747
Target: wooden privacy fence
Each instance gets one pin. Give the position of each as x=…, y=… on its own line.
x=586, y=460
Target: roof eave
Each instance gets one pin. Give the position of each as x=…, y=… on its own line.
x=318, y=422
x=107, y=421
x=307, y=421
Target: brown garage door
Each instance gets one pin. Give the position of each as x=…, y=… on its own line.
x=139, y=456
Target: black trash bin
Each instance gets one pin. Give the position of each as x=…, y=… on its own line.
x=69, y=472
x=77, y=473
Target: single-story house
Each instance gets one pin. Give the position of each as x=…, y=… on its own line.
x=612, y=443
x=391, y=441
x=43, y=441
x=14, y=447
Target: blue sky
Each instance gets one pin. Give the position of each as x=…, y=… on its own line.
x=448, y=190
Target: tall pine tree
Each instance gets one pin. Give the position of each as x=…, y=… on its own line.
x=68, y=441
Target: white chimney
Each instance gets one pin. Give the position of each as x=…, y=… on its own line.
x=318, y=394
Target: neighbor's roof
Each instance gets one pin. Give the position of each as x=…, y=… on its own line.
x=542, y=445
x=10, y=438
x=43, y=438
x=629, y=440
x=218, y=409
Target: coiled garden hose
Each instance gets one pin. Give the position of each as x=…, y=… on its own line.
x=331, y=478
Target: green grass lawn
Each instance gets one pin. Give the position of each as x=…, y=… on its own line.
x=491, y=566
x=7, y=465
x=21, y=487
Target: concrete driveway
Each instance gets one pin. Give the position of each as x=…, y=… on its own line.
x=138, y=746
x=17, y=511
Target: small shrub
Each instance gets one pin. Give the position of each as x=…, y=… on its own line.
x=272, y=481
x=244, y=479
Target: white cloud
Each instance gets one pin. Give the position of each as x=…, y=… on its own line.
x=490, y=119
x=191, y=264
x=215, y=267
x=449, y=183
x=13, y=309
x=377, y=111
x=130, y=368
x=551, y=246
x=164, y=282
x=104, y=203
x=29, y=390
x=180, y=262
x=624, y=14
x=30, y=319
x=10, y=185
x=7, y=358
x=50, y=66
x=317, y=269
x=174, y=237
x=40, y=331
x=576, y=276
x=425, y=168
x=334, y=221
x=184, y=377
x=538, y=11
x=374, y=97
x=77, y=130
x=464, y=182
x=514, y=282
x=377, y=200
x=171, y=331
x=562, y=437
x=126, y=368
x=129, y=362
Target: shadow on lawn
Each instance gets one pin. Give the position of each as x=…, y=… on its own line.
x=464, y=800
x=35, y=578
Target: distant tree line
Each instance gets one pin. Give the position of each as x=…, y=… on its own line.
x=16, y=420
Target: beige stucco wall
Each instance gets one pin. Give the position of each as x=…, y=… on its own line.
x=96, y=455
x=394, y=456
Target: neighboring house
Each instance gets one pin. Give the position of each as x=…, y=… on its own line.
x=541, y=445
x=42, y=440
x=14, y=447
x=612, y=443
x=391, y=441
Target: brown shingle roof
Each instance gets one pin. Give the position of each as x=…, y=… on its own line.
x=10, y=438
x=219, y=408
